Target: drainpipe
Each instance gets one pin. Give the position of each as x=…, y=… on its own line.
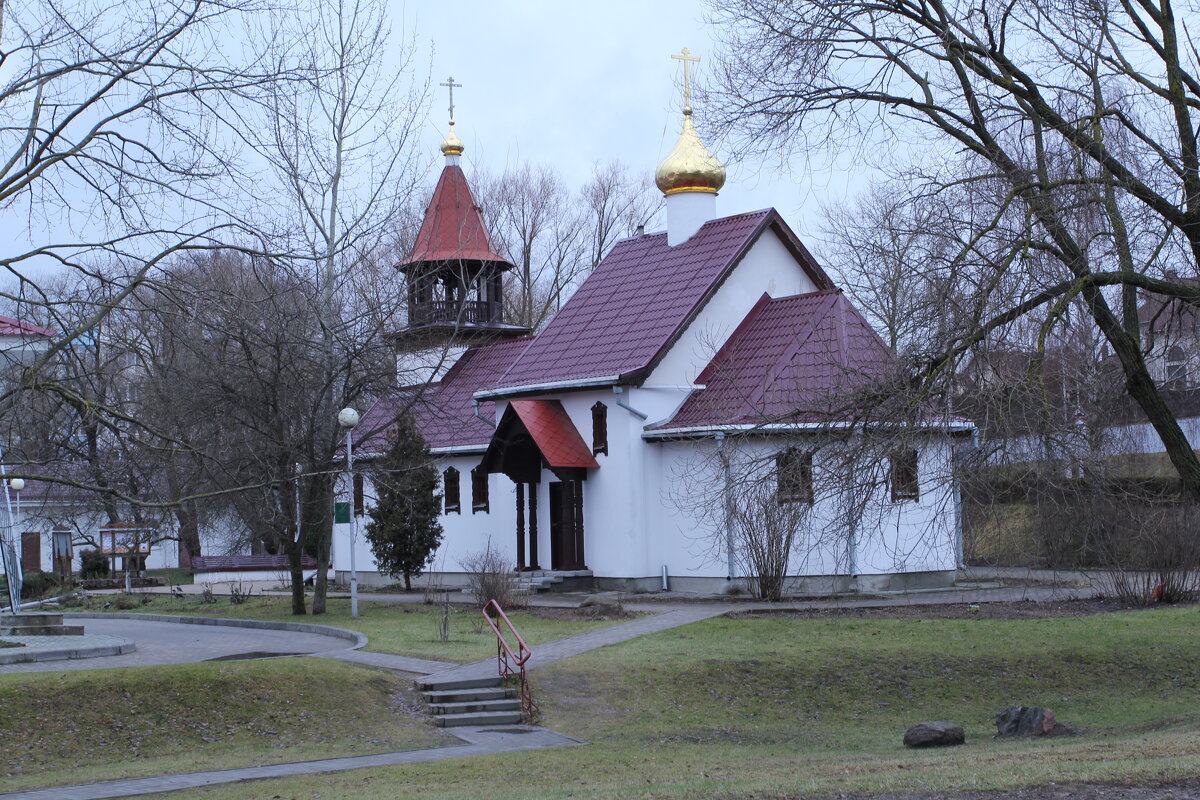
x=619, y=391
x=727, y=498
x=475, y=408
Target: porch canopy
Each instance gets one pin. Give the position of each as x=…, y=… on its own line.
x=537, y=434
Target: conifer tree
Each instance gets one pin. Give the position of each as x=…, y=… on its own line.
x=404, y=529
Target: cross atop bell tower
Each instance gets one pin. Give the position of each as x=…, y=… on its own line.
x=687, y=58
x=452, y=146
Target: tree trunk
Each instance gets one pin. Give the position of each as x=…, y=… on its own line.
x=295, y=551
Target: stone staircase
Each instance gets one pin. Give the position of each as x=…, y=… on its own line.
x=471, y=701
x=39, y=624
x=547, y=580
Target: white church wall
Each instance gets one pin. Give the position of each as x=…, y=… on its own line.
x=898, y=544
x=464, y=533
x=768, y=267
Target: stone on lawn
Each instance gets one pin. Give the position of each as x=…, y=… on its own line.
x=602, y=605
x=934, y=734
x=1029, y=721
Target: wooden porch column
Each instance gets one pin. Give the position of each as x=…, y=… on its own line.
x=577, y=512
x=520, y=527
x=533, y=542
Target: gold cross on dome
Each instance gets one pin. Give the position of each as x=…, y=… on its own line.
x=451, y=85
x=686, y=58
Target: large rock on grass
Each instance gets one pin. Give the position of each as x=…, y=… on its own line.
x=934, y=734
x=1029, y=721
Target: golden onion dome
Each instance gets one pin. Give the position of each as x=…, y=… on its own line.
x=452, y=145
x=689, y=167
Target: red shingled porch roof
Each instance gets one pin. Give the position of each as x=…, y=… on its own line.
x=453, y=227
x=554, y=433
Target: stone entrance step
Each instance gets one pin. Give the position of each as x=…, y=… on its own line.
x=38, y=624
x=453, y=705
x=549, y=580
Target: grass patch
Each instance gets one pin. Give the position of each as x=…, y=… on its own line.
x=399, y=628
x=175, y=576
x=759, y=707
x=73, y=727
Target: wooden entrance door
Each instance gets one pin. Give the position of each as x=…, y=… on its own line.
x=566, y=525
x=31, y=551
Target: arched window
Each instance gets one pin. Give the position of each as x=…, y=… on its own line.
x=794, y=476
x=479, y=490
x=1177, y=367
x=450, y=490
x=599, y=429
x=904, y=477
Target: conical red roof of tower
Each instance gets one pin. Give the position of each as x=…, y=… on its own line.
x=453, y=227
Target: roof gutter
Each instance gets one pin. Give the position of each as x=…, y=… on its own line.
x=619, y=391
x=705, y=431
x=581, y=383
x=475, y=410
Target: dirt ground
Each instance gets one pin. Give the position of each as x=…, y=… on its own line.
x=1183, y=790
x=1027, y=609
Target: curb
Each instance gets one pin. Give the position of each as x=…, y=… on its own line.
x=359, y=639
x=66, y=654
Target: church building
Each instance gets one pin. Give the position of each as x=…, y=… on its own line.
x=620, y=446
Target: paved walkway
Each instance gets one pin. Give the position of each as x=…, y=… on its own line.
x=177, y=643
x=479, y=741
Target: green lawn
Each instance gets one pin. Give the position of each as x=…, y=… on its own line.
x=74, y=727
x=399, y=628
x=758, y=707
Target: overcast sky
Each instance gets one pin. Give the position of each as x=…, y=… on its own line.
x=569, y=84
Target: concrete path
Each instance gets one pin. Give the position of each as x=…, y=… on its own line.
x=176, y=643
x=418, y=666
x=479, y=741
x=550, y=652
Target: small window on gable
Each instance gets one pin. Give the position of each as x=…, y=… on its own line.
x=359, y=496
x=450, y=490
x=904, y=478
x=599, y=429
x=479, y=490
x=794, y=476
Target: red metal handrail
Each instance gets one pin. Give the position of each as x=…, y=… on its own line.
x=511, y=663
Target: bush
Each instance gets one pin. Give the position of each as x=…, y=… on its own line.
x=92, y=564
x=125, y=602
x=492, y=578
x=37, y=585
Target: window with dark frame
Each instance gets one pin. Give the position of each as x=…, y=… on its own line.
x=599, y=429
x=450, y=490
x=360, y=506
x=794, y=476
x=904, y=477
x=479, y=491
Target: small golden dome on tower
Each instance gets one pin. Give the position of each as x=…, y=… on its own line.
x=689, y=167
x=452, y=145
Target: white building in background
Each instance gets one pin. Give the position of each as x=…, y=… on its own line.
x=594, y=448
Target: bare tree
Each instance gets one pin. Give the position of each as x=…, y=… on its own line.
x=337, y=146
x=1077, y=121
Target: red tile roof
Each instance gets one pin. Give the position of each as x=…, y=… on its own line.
x=640, y=298
x=793, y=359
x=554, y=433
x=15, y=327
x=443, y=410
x=453, y=227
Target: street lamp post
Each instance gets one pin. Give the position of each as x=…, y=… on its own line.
x=14, y=572
x=348, y=418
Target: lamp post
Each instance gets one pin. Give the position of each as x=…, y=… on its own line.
x=348, y=418
x=14, y=572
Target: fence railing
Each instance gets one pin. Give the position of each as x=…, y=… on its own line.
x=511, y=657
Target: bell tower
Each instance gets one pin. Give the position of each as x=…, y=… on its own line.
x=455, y=277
